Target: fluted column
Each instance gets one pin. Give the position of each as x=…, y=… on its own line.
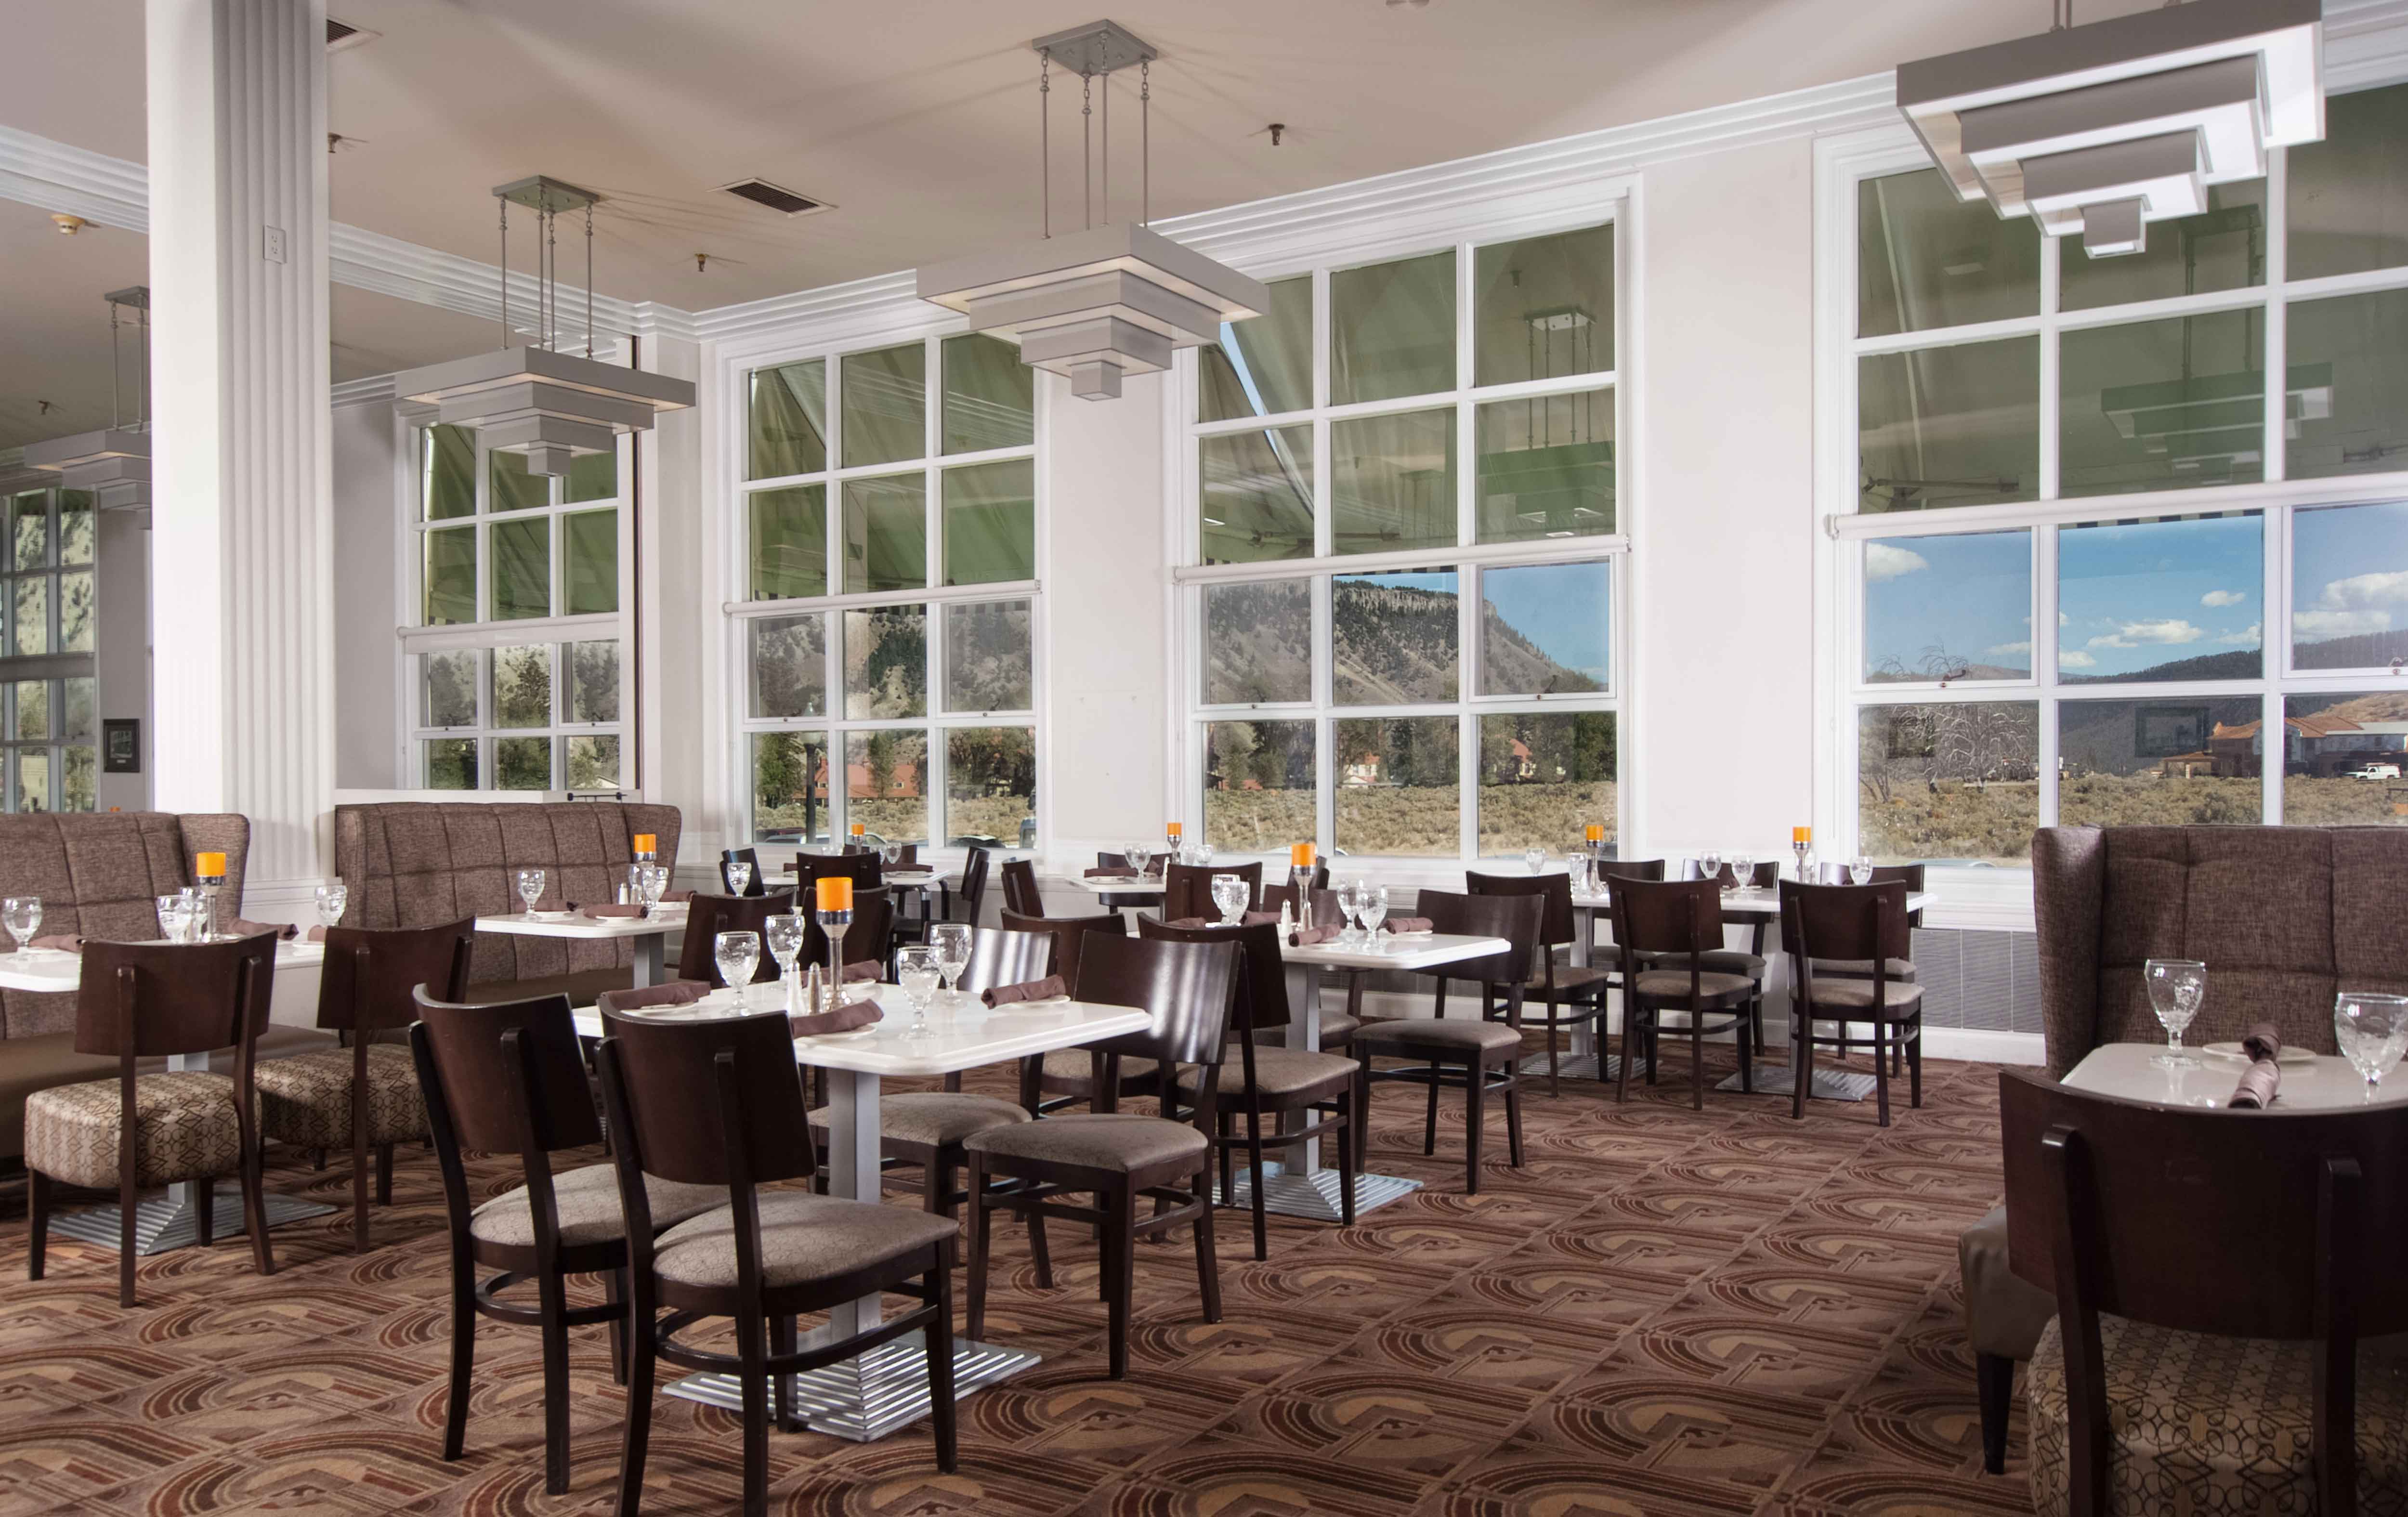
x=241, y=600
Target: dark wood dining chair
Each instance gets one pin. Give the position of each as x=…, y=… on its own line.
x=708, y=915
x=1117, y=1157
x=1663, y=929
x=1021, y=897
x=1065, y=1078
x=1820, y=922
x=755, y=885
x=718, y=1105
x=137, y=1001
x=964, y=904
x=2221, y=1278
x=1002, y=956
x=508, y=1079
x=1187, y=888
x=1569, y=993
x=364, y=1097
x=869, y=936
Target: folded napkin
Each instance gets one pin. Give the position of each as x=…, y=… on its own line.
x=65, y=942
x=2256, y=1091
x=1306, y=937
x=676, y=993
x=2263, y=1042
x=1406, y=924
x=608, y=910
x=1193, y=922
x=844, y=1019
x=1260, y=919
x=1123, y=872
x=677, y=897
x=868, y=970
x=1027, y=989
x=253, y=929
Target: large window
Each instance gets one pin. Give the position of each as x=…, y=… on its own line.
x=887, y=643
x=47, y=726
x=1401, y=584
x=513, y=669
x=2108, y=534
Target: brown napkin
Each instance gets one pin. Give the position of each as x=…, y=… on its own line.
x=610, y=909
x=1307, y=936
x=2256, y=1091
x=1193, y=922
x=1406, y=924
x=1123, y=872
x=868, y=970
x=2263, y=1042
x=676, y=993
x=65, y=942
x=253, y=929
x=844, y=1019
x=1259, y=919
x=1027, y=989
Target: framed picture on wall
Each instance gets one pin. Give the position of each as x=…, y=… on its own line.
x=120, y=745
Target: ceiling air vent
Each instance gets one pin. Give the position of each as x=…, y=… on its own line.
x=777, y=197
x=341, y=35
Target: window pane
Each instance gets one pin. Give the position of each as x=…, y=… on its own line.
x=885, y=534
x=789, y=541
x=1393, y=638
x=1258, y=642
x=790, y=787
x=514, y=487
x=2157, y=763
x=34, y=710
x=1952, y=607
x=886, y=784
x=594, y=477
x=1392, y=329
x=522, y=764
x=1262, y=365
x=1949, y=426
x=78, y=726
x=789, y=666
x=521, y=584
x=990, y=396
x=76, y=526
x=1546, y=629
x=1259, y=785
x=33, y=780
x=785, y=427
x=447, y=472
x=2349, y=193
x=2223, y=247
x=1953, y=781
x=81, y=783
x=451, y=577
x=886, y=662
x=521, y=693
x=1400, y=787
x=990, y=522
x=33, y=620
x=991, y=785
x=2348, y=384
x=593, y=762
x=450, y=762
x=592, y=681
x=30, y=529
x=1544, y=777
x=1546, y=467
x=448, y=689
x=1927, y=259
x=988, y=663
x=1392, y=482
x=75, y=612
x=2163, y=404
x=2349, y=586
x=590, y=541
x=1256, y=495
x=2160, y=600
x=1544, y=306
x=2346, y=760
x=885, y=404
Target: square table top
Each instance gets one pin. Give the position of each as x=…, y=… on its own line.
x=53, y=969
x=1387, y=952
x=1752, y=902
x=1126, y=885
x=577, y=924
x=2323, y=1083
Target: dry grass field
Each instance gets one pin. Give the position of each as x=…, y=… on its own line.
x=1412, y=821
x=1995, y=821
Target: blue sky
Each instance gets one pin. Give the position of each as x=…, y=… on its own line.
x=2349, y=571
x=1969, y=594
x=1563, y=608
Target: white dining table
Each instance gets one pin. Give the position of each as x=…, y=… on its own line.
x=2316, y=1083
x=1118, y=893
x=649, y=934
x=873, y=1394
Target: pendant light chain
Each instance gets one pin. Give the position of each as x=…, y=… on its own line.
x=589, y=281
x=1145, y=142
x=1108, y=148
x=506, y=268
x=1045, y=137
x=1087, y=148
x=115, y=412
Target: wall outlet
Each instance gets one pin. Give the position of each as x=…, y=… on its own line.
x=271, y=246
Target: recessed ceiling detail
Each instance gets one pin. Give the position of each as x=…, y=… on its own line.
x=775, y=196
x=342, y=35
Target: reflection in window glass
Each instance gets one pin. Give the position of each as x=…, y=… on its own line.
x=789, y=664
x=991, y=785
x=80, y=784
x=2162, y=762
x=990, y=522
x=33, y=710
x=1546, y=467
x=2346, y=760
x=2163, y=404
x=886, y=533
x=522, y=578
x=451, y=577
x=448, y=688
x=32, y=627
x=791, y=802
x=77, y=725
x=1949, y=426
x=1256, y=495
x=886, y=662
x=789, y=541
x=2348, y=195
x=885, y=404
x=1544, y=777
x=593, y=477
x=1259, y=785
x=886, y=782
x=1392, y=482
x=522, y=686
x=450, y=762
x=592, y=761
x=1257, y=642
x=1393, y=638
x=1546, y=629
x=521, y=764
x=1399, y=786
x=514, y=487
x=2349, y=401
x=76, y=526
x=1948, y=608
x=1262, y=365
x=1958, y=780
x=2349, y=586
x=33, y=780
x=989, y=665
x=2161, y=600
x=1927, y=259
x=2222, y=248
x=30, y=529
x=1392, y=329
x=589, y=542
x=990, y=396
x=1544, y=307
x=785, y=429
x=74, y=613
x=447, y=472
x=592, y=671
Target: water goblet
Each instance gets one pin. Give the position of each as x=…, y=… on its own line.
x=1350, y=894
x=1710, y=866
x=1373, y=906
x=739, y=873
x=785, y=933
x=2373, y=1032
x=1138, y=856
x=1535, y=856
x=23, y=916
x=174, y=917
x=1743, y=869
x=333, y=897
x=530, y=883
x=951, y=941
x=653, y=881
x=1860, y=869
x=2176, y=988
x=1203, y=852
x=1229, y=896
x=738, y=954
x=915, y=970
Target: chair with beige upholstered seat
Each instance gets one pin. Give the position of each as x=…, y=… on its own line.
x=1868, y=923
x=1673, y=924
x=1066, y=1077
x=1568, y=994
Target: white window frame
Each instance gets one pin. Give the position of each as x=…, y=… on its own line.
x=54, y=667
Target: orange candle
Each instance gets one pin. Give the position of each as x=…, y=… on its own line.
x=1300, y=855
x=1170, y=829
x=1801, y=834
x=1596, y=833
x=647, y=843
x=860, y=827
x=836, y=892
x=209, y=865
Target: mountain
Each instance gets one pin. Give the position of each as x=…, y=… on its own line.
x=2244, y=664
x=2368, y=650
x=1391, y=645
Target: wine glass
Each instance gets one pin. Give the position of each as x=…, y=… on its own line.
x=1372, y=905
x=652, y=880
x=176, y=917
x=1350, y=894
x=1138, y=856
x=785, y=933
x=1203, y=852
x=1742, y=868
x=740, y=876
x=890, y=853
x=2176, y=988
x=2373, y=1032
x=738, y=954
x=951, y=941
x=1710, y=866
x=333, y=897
x=916, y=971
x=1535, y=856
x=1229, y=895
x=23, y=916
x=530, y=889
x=1860, y=869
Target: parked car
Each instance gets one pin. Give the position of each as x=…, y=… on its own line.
x=2375, y=771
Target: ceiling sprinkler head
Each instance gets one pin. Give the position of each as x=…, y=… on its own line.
x=68, y=226
x=1278, y=130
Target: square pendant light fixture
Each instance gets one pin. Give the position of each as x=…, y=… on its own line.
x=2096, y=130
x=113, y=464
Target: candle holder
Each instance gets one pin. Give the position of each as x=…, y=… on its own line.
x=834, y=924
x=1801, y=847
x=1301, y=878
x=210, y=884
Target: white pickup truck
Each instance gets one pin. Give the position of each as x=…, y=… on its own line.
x=2375, y=771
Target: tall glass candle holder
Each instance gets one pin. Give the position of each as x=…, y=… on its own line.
x=1801, y=842
x=834, y=903
x=1299, y=873
x=209, y=874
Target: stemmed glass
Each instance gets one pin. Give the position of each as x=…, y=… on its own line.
x=785, y=933
x=2176, y=988
x=176, y=917
x=530, y=889
x=740, y=876
x=1201, y=853
x=1229, y=893
x=1371, y=907
x=333, y=897
x=738, y=953
x=2373, y=1032
x=1710, y=866
x=23, y=916
x=1138, y=856
x=652, y=880
x=1350, y=899
x=1742, y=868
x=1535, y=856
x=916, y=971
x=951, y=941
x=1860, y=869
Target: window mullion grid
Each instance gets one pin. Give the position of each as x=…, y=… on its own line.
x=1324, y=508
x=2044, y=668
x=2274, y=646
x=1466, y=502
x=2277, y=361
x=2051, y=389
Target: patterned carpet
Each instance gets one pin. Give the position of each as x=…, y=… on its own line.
x=1666, y=1311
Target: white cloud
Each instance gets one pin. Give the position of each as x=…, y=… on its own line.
x=2247, y=638
x=1884, y=561
x=2365, y=590
x=2170, y=630
x=2013, y=648
x=2063, y=619
x=2218, y=599
x=2073, y=658
x=2339, y=623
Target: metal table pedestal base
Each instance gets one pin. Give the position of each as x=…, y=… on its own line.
x=165, y=1222
x=1313, y=1196
x=873, y=1394
x=1829, y=1084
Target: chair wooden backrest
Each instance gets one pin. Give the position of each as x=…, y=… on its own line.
x=1002, y=957
x=708, y=916
x=1069, y=935
x=866, y=936
x=1843, y=922
x=1515, y=918
x=1555, y=925
x=370, y=975
x=1682, y=917
x=1262, y=979
x=1190, y=988
x=712, y=1102
x=1630, y=869
x=154, y=1000
x=2272, y=1224
x=1021, y=896
x=975, y=863
x=1187, y=888
x=754, y=886
x=864, y=869
x=1324, y=903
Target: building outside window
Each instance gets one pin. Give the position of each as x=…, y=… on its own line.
x=48, y=726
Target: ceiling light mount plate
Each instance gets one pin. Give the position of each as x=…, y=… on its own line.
x=550, y=196
x=1097, y=47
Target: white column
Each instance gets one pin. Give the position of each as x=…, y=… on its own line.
x=241, y=603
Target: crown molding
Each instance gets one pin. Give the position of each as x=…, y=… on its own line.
x=374, y=390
